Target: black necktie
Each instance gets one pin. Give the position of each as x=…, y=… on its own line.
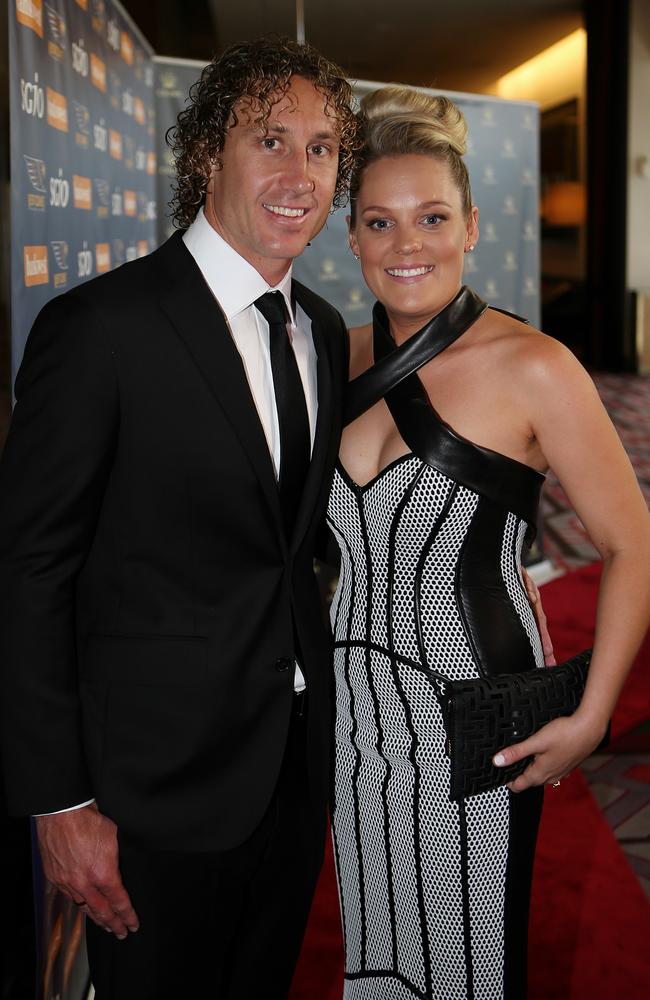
x=295, y=443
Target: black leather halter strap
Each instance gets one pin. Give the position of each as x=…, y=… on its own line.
x=395, y=364
x=508, y=483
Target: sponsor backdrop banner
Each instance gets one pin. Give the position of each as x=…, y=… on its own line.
x=173, y=79
x=503, y=162
x=83, y=159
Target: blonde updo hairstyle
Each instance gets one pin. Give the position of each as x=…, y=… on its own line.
x=397, y=120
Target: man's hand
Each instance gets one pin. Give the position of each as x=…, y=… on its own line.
x=79, y=855
x=542, y=625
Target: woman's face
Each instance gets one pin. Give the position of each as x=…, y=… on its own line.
x=411, y=233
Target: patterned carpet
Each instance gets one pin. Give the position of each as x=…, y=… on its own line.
x=627, y=399
x=620, y=783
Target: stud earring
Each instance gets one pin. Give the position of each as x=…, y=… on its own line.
x=355, y=255
x=469, y=248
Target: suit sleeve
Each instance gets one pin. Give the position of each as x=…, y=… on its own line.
x=53, y=475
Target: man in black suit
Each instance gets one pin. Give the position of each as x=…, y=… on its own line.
x=166, y=663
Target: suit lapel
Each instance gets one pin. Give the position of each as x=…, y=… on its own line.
x=322, y=438
x=196, y=316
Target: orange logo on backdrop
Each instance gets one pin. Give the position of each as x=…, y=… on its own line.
x=35, y=263
x=57, y=110
x=30, y=13
x=83, y=4
x=82, y=192
x=126, y=48
x=130, y=203
x=151, y=162
x=138, y=110
x=103, y=257
x=98, y=72
x=115, y=143
x=142, y=248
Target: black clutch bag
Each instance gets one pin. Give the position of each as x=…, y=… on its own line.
x=486, y=714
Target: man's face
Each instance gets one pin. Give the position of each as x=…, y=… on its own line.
x=274, y=191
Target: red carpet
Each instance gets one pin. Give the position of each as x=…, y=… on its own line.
x=590, y=920
x=319, y=975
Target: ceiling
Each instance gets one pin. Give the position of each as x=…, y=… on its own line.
x=455, y=44
x=451, y=44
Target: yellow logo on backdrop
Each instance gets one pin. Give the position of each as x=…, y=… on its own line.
x=36, y=171
x=130, y=203
x=102, y=257
x=60, y=250
x=30, y=13
x=58, y=33
x=82, y=123
x=126, y=48
x=138, y=110
x=115, y=144
x=98, y=72
x=82, y=192
x=35, y=263
x=151, y=162
x=98, y=19
x=103, y=189
x=57, y=110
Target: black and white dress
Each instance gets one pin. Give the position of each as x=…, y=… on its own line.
x=434, y=894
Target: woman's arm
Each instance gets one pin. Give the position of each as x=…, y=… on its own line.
x=583, y=449
x=535, y=601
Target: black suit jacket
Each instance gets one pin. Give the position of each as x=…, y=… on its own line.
x=151, y=604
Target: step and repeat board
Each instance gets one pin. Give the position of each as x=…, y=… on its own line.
x=83, y=161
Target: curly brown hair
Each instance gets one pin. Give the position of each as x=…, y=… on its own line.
x=260, y=70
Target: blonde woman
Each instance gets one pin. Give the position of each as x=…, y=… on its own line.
x=436, y=490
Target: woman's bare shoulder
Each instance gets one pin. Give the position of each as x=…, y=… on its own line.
x=360, y=349
x=538, y=361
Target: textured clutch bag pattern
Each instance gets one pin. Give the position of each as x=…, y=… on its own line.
x=483, y=715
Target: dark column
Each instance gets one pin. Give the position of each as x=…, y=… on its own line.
x=184, y=30
x=610, y=340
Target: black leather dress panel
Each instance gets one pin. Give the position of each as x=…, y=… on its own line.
x=494, y=629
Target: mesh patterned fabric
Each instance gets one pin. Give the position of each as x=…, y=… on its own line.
x=422, y=880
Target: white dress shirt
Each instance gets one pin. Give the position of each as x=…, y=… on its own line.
x=235, y=285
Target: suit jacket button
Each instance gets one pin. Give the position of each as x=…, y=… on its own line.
x=282, y=664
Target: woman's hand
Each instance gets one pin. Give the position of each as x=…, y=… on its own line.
x=557, y=747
